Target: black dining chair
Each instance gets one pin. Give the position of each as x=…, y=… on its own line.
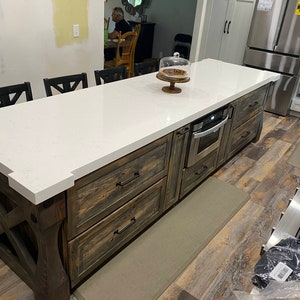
x=182, y=44
x=10, y=94
x=65, y=84
x=110, y=75
x=145, y=67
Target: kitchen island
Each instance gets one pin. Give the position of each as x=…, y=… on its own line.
x=59, y=156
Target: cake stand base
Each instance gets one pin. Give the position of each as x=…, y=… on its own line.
x=172, y=89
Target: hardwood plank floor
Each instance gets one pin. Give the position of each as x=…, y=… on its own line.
x=226, y=264
x=262, y=170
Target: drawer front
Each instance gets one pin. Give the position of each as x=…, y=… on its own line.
x=93, y=247
x=245, y=134
x=101, y=192
x=249, y=105
x=193, y=176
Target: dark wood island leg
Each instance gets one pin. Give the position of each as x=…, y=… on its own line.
x=29, y=242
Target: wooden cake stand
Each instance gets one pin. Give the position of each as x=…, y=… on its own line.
x=172, y=89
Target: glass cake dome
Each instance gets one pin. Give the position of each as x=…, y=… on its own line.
x=174, y=69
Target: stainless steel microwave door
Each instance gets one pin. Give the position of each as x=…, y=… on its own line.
x=265, y=25
x=289, y=37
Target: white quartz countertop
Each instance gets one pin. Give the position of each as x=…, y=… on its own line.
x=48, y=143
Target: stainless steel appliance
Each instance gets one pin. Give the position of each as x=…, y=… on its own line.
x=206, y=134
x=274, y=44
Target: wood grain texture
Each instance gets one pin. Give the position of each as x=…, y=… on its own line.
x=98, y=194
x=93, y=247
x=226, y=264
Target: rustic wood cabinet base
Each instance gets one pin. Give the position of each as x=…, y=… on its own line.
x=55, y=245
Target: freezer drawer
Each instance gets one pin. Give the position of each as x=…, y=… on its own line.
x=271, y=61
x=280, y=95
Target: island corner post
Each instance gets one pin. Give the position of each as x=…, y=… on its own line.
x=29, y=241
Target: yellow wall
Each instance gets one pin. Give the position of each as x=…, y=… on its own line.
x=65, y=14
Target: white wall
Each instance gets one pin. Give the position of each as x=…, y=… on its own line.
x=28, y=46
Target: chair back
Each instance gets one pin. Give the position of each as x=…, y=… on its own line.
x=145, y=67
x=10, y=94
x=136, y=29
x=106, y=23
x=125, y=51
x=110, y=75
x=182, y=44
x=65, y=84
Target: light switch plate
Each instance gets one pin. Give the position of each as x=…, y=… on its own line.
x=76, y=32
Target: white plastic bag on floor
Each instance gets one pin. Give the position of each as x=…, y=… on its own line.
x=274, y=290
x=282, y=290
x=246, y=296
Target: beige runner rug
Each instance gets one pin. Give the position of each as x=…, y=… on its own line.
x=153, y=261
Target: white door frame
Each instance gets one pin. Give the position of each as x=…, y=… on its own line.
x=198, y=31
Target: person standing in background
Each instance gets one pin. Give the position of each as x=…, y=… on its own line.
x=121, y=25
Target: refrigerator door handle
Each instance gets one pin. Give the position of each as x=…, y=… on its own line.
x=281, y=19
x=228, y=27
x=224, y=30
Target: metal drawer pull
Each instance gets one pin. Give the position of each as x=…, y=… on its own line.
x=132, y=221
x=183, y=131
x=253, y=104
x=123, y=183
x=204, y=168
x=246, y=134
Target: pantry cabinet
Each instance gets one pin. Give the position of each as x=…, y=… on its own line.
x=227, y=30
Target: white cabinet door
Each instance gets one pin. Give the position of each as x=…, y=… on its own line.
x=235, y=40
x=229, y=26
x=216, y=28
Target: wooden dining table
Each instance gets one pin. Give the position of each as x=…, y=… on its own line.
x=110, y=49
x=112, y=43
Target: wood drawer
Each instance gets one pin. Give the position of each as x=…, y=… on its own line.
x=194, y=175
x=93, y=247
x=244, y=134
x=98, y=194
x=249, y=105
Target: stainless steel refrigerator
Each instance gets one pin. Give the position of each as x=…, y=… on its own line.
x=274, y=44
